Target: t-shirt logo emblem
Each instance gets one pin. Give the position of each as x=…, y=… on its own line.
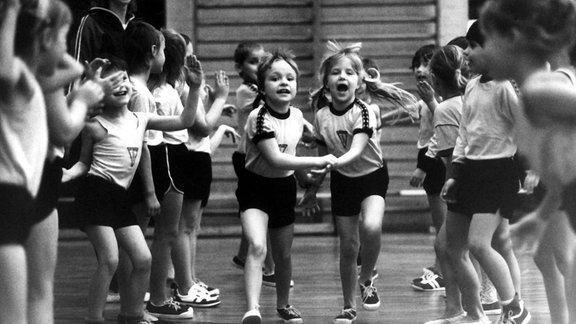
x=282, y=147
x=343, y=136
x=133, y=153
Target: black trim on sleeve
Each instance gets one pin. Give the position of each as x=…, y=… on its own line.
x=369, y=131
x=320, y=142
x=262, y=135
x=445, y=153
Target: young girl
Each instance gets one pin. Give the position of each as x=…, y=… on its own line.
x=359, y=178
x=111, y=151
x=519, y=44
x=65, y=121
x=481, y=190
x=267, y=191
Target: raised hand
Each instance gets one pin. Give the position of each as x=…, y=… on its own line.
x=221, y=85
x=193, y=72
x=425, y=91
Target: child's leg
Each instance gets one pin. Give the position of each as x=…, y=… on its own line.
x=255, y=227
x=571, y=289
x=185, y=249
x=457, y=227
x=105, y=245
x=553, y=259
x=13, y=283
x=281, y=244
x=133, y=270
x=503, y=245
x=347, y=228
x=438, y=213
x=165, y=234
x=453, y=298
x=41, y=251
x=370, y=231
x=482, y=229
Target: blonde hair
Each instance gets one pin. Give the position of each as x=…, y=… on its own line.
x=449, y=65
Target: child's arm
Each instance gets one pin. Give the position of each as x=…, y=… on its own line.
x=269, y=149
x=218, y=135
x=9, y=76
x=67, y=71
x=186, y=119
x=91, y=134
x=359, y=142
x=145, y=173
x=204, y=126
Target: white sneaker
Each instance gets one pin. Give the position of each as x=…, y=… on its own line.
x=448, y=320
x=252, y=317
x=197, y=297
x=212, y=292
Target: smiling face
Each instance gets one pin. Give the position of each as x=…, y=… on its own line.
x=120, y=95
x=280, y=84
x=249, y=67
x=342, y=81
x=475, y=55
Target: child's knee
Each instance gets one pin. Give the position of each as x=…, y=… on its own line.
x=142, y=263
x=109, y=265
x=257, y=249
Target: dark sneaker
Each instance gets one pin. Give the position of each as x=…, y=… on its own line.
x=425, y=272
x=197, y=297
x=252, y=317
x=370, y=300
x=515, y=313
x=431, y=282
x=237, y=262
x=289, y=314
x=346, y=316
x=270, y=280
x=492, y=308
x=170, y=310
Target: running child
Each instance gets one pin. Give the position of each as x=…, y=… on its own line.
x=111, y=151
x=267, y=191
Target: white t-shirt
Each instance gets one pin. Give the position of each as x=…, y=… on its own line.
x=23, y=134
x=446, y=123
x=168, y=103
x=143, y=101
x=245, y=96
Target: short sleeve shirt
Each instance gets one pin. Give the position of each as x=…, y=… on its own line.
x=447, y=122
x=143, y=101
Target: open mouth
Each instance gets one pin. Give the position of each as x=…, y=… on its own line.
x=421, y=78
x=342, y=87
x=120, y=93
x=283, y=91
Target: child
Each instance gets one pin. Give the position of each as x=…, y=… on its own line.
x=359, y=178
x=448, y=74
x=24, y=143
x=111, y=150
x=430, y=172
x=481, y=190
x=267, y=191
x=519, y=44
x=65, y=121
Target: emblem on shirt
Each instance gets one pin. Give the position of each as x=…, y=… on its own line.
x=282, y=147
x=133, y=153
x=343, y=137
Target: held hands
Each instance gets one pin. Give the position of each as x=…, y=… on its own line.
x=193, y=72
x=425, y=91
x=448, y=193
x=326, y=162
x=417, y=178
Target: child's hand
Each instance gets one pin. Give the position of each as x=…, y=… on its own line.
x=193, y=72
x=417, y=178
x=309, y=203
x=526, y=233
x=230, y=132
x=90, y=68
x=90, y=92
x=449, y=191
x=531, y=181
x=425, y=91
x=221, y=85
x=327, y=161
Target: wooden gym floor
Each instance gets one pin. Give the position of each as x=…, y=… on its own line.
x=317, y=293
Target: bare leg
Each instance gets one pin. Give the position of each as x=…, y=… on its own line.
x=255, y=226
x=281, y=243
x=12, y=283
x=370, y=234
x=349, y=243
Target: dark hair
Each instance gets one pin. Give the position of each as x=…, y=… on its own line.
x=423, y=54
x=116, y=64
x=549, y=25
x=174, y=50
x=265, y=65
x=137, y=42
x=459, y=41
x=243, y=50
x=187, y=38
x=449, y=66
x=474, y=34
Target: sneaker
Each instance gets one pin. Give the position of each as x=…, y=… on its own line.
x=515, y=313
x=170, y=310
x=448, y=320
x=270, y=280
x=431, y=282
x=492, y=308
x=149, y=317
x=196, y=297
x=123, y=319
x=370, y=300
x=289, y=314
x=425, y=272
x=212, y=292
x=237, y=262
x=252, y=317
x=346, y=316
